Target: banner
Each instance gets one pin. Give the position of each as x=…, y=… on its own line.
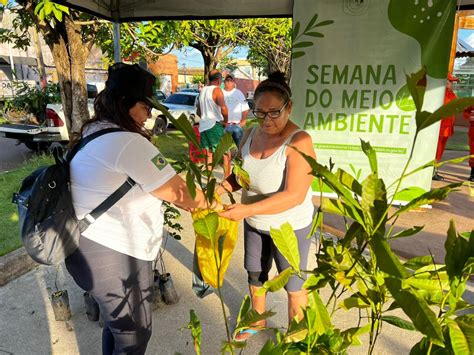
x=350, y=59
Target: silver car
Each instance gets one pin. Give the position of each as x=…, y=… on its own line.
x=183, y=102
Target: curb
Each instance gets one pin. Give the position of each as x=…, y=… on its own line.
x=15, y=264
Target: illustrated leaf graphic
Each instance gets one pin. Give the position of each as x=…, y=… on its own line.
x=303, y=44
x=296, y=31
x=314, y=34
x=311, y=23
x=295, y=55
x=324, y=23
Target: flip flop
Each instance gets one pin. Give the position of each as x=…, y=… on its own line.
x=245, y=334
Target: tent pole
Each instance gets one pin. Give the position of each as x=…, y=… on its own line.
x=117, y=42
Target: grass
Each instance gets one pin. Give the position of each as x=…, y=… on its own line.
x=172, y=146
x=9, y=183
x=458, y=141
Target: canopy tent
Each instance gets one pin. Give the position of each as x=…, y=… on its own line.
x=136, y=10
x=463, y=49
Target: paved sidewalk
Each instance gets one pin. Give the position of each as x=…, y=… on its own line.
x=27, y=324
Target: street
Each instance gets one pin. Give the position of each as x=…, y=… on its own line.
x=12, y=155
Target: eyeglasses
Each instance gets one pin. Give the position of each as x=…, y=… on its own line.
x=271, y=114
x=146, y=107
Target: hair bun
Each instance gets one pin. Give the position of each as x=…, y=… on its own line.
x=277, y=76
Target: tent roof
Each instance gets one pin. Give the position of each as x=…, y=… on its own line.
x=136, y=10
x=463, y=49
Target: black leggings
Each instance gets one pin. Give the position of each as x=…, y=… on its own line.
x=122, y=286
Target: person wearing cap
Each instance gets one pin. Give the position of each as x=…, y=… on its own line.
x=114, y=259
x=446, y=128
x=214, y=116
x=238, y=109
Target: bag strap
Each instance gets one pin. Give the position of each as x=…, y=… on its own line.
x=115, y=196
x=106, y=204
x=83, y=141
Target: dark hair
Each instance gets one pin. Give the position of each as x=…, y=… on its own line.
x=114, y=108
x=214, y=75
x=276, y=82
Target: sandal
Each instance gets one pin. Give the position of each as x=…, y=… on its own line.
x=245, y=334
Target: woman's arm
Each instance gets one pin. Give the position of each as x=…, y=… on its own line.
x=298, y=181
x=176, y=192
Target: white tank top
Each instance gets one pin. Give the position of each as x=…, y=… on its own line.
x=210, y=111
x=268, y=176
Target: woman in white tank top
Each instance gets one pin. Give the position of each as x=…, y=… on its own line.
x=279, y=192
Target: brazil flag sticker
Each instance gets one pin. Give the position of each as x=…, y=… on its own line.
x=159, y=161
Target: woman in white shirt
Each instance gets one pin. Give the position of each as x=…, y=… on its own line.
x=114, y=259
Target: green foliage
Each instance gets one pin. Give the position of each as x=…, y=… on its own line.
x=196, y=331
x=32, y=99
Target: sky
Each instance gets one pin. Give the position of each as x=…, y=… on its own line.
x=467, y=35
x=193, y=58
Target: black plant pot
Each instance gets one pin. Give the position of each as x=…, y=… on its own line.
x=157, y=300
x=167, y=289
x=60, y=303
x=92, y=308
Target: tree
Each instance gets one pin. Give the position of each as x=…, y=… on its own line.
x=70, y=36
x=214, y=39
x=269, y=43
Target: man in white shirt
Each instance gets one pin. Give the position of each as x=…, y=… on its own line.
x=238, y=109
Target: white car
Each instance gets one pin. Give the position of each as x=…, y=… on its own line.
x=182, y=102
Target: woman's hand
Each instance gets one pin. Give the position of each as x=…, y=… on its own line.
x=236, y=212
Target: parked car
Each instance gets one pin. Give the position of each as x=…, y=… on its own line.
x=160, y=95
x=249, y=98
x=183, y=102
x=40, y=137
x=189, y=90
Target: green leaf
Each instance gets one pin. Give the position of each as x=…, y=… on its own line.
x=371, y=154
x=459, y=341
x=428, y=198
x=398, y=322
x=196, y=331
x=349, y=181
x=354, y=231
x=416, y=83
x=453, y=107
x=323, y=318
x=182, y=123
x=211, y=186
x=458, y=250
x=351, y=335
x=224, y=145
x=332, y=181
x=417, y=310
x=207, y=226
x=466, y=325
x=295, y=55
x=190, y=184
x=387, y=261
x=275, y=284
x=287, y=243
x=374, y=202
x=245, y=307
x=353, y=302
x=303, y=44
x=337, y=207
x=407, y=232
x=315, y=224
x=425, y=284
x=241, y=176
x=418, y=262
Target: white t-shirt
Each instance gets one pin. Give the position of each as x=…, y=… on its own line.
x=210, y=111
x=134, y=225
x=236, y=104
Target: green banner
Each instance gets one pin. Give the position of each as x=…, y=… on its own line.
x=350, y=59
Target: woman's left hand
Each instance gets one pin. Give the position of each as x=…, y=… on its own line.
x=235, y=212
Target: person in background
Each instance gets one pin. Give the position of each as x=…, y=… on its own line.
x=214, y=116
x=469, y=115
x=279, y=192
x=238, y=109
x=114, y=259
x=446, y=128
